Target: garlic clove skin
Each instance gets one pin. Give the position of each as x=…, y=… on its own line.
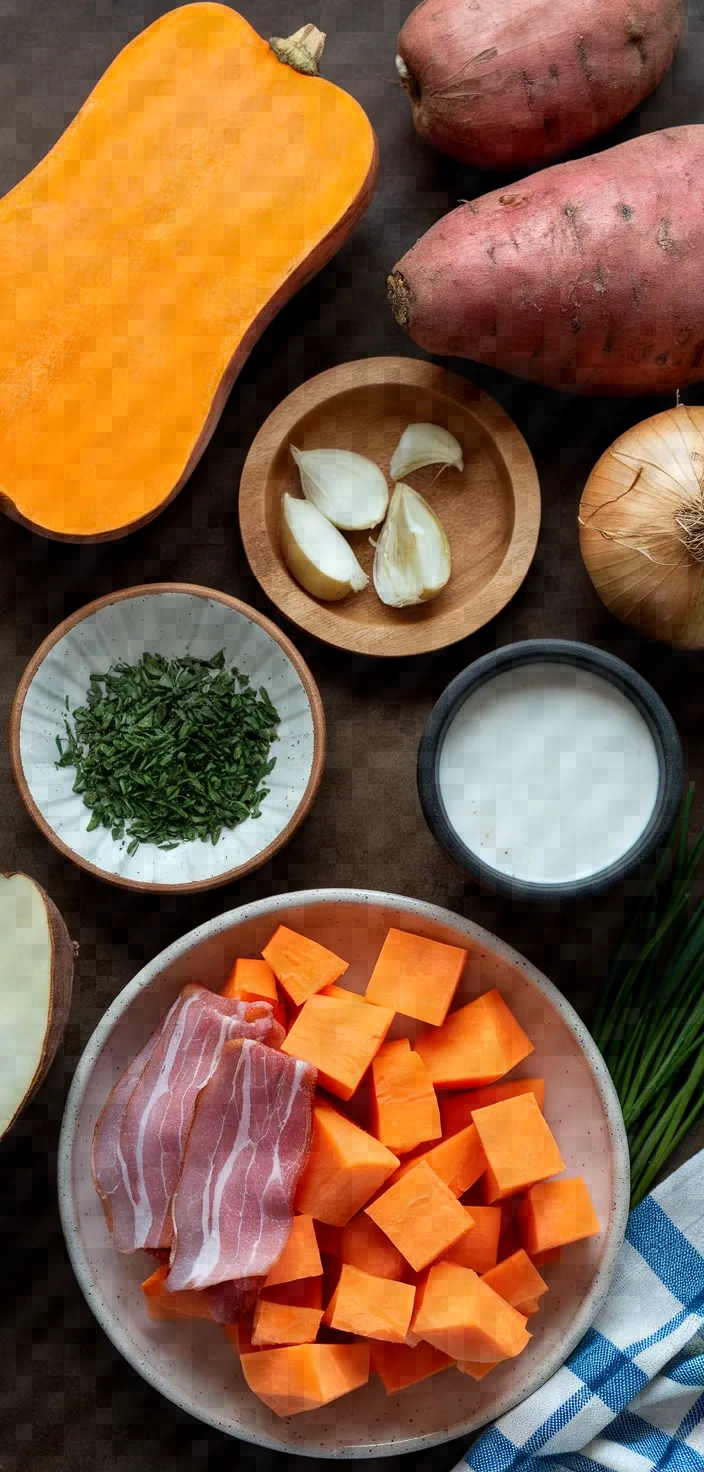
x=425, y=444
x=349, y=489
x=317, y=554
x=412, y=562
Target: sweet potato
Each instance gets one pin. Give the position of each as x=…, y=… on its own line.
x=416, y=976
x=300, y=1257
x=476, y=1045
x=376, y=1308
x=499, y=85
x=466, y=1319
x=345, y=1167
x=519, y=1146
x=459, y=1161
x=584, y=277
x=403, y=1106
x=400, y=1365
x=303, y=1377
x=421, y=1216
x=554, y=1213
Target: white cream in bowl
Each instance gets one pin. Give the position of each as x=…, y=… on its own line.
x=549, y=773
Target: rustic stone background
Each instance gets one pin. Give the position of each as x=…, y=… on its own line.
x=68, y=1400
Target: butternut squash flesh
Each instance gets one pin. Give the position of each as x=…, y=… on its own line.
x=200, y=185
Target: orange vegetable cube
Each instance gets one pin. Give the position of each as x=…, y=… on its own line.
x=300, y=1257
x=345, y=1167
x=404, y=1110
x=301, y=965
x=363, y=1245
x=466, y=1319
x=188, y=1303
x=518, y=1281
x=251, y=980
x=477, y=1372
x=376, y=1308
x=400, y=1365
x=339, y=1039
x=476, y=1045
x=456, y=1109
x=479, y=1248
x=301, y=1293
x=277, y=1323
x=421, y=1216
x=304, y=1377
x=556, y=1212
x=416, y=976
x=519, y=1146
x=459, y=1161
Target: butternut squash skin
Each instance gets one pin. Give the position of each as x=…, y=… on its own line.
x=200, y=185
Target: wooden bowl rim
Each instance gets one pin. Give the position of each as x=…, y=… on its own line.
x=193, y=590
x=318, y=618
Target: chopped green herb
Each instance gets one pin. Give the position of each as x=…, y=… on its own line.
x=170, y=750
x=650, y=1021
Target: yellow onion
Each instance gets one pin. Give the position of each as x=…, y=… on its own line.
x=641, y=521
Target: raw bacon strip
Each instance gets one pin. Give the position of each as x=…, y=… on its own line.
x=143, y=1161
x=249, y=1142
x=106, y=1160
x=160, y=1112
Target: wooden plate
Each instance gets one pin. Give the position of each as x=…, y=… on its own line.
x=490, y=511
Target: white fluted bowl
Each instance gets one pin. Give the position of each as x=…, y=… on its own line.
x=191, y=1363
x=172, y=619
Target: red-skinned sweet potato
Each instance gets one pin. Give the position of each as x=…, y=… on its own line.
x=584, y=277
x=500, y=85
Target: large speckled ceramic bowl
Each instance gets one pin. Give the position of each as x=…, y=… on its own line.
x=192, y=1363
x=173, y=619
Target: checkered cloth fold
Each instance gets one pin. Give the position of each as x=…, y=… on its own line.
x=630, y=1398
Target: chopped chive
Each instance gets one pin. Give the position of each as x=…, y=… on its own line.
x=167, y=751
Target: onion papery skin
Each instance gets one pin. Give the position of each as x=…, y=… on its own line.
x=646, y=565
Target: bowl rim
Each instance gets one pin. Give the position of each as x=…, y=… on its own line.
x=319, y=618
x=378, y=899
x=193, y=590
x=617, y=672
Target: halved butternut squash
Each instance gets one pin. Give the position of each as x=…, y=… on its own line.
x=201, y=184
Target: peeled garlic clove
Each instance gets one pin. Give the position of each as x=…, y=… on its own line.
x=349, y=489
x=412, y=560
x=317, y=555
x=425, y=444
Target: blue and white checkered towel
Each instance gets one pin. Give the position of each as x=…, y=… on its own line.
x=631, y=1396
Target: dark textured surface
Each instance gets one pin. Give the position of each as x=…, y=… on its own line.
x=68, y=1400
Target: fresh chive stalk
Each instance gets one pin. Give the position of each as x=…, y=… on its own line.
x=170, y=750
x=649, y=1023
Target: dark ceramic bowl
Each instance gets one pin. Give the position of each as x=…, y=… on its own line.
x=582, y=656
